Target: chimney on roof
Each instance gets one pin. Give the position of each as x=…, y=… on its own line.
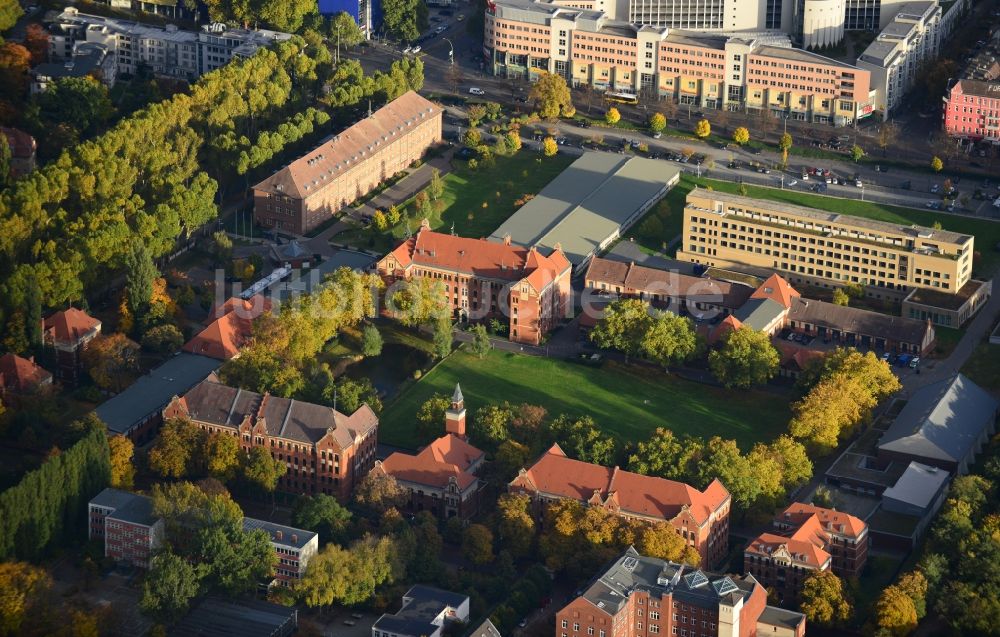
x=506, y=239
x=295, y=538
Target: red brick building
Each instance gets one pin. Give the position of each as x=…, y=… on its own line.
x=647, y=597
x=488, y=279
x=65, y=334
x=442, y=478
x=19, y=376
x=324, y=450
x=348, y=165
x=807, y=539
x=125, y=521
x=700, y=517
x=22, y=151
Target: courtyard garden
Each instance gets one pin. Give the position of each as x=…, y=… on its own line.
x=474, y=201
x=626, y=401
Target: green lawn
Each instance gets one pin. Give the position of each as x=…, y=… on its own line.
x=627, y=402
x=987, y=233
x=664, y=221
x=947, y=340
x=983, y=366
x=475, y=202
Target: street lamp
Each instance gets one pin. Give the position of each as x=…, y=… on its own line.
x=451, y=51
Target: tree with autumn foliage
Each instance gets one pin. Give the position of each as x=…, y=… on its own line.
x=36, y=40
x=122, y=469
x=23, y=585
x=824, y=600
x=112, y=361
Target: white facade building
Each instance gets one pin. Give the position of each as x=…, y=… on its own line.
x=165, y=50
x=899, y=51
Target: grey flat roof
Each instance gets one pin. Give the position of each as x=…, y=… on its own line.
x=112, y=498
x=834, y=217
x=422, y=604
x=588, y=203
x=153, y=391
x=138, y=510
x=759, y=313
x=302, y=537
x=248, y=618
x=942, y=421
x=918, y=485
x=774, y=616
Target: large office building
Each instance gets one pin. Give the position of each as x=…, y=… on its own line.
x=323, y=450
x=164, y=50
x=639, y=595
x=745, y=72
x=525, y=287
x=900, y=52
x=830, y=249
x=348, y=165
x=972, y=103
x=700, y=517
x=806, y=539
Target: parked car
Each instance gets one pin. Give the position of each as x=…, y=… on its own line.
x=904, y=360
x=935, y=189
x=475, y=90
x=416, y=49
x=915, y=362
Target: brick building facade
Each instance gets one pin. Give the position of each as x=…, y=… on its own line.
x=807, y=539
x=645, y=596
x=65, y=334
x=125, y=522
x=442, y=478
x=488, y=279
x=324, y=450
x=700, y=517
x=348, y=165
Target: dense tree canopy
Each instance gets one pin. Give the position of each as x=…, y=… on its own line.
x=404, y=20
x=824, y=599
x=746, y=358
x=551, y=96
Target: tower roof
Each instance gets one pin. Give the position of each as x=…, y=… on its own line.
x=457, y=397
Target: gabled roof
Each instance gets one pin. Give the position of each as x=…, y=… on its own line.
x=794, y=357
x=942, y=421
x=725, y=326
x=226, y=335
x=667, y=283
x=855, y=320
x=339, y=154
x=21, y=374
x=777, y=289
x=212, y=402
x=449, y=457
x=481, y=258
x=805, y=531
x=758, y=313
x=69, y=326
x=829, y=519
x=279, y=533
x=800, y=551
x=557, y=475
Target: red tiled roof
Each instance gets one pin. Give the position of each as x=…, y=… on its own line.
x=777, y=289
x=223, y=337
x=324, y=164
x=727, y=325
x=447, y=457
x=795, y=357
x=481, y=258
x=808, y=533
x=69, y=326
x=832, y=520
x=555, y=474
x=667, y=283
x=21, y=374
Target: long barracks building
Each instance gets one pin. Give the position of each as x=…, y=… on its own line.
x=524, y=38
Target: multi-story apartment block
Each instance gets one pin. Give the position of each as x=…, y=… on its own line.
x=125, y=522
x=641, y=595
x=165, y=50
x=700, y=517
x=748, y=72
x=442, y=478
x=899, y=53
x=930, y=267
x=65, y=334
x=807, y=539
x=348, y=165
x=131, y=532
x=488, y=279
x=870, y=15
x=324, y=450
x=972, y=103
x=294, y=548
